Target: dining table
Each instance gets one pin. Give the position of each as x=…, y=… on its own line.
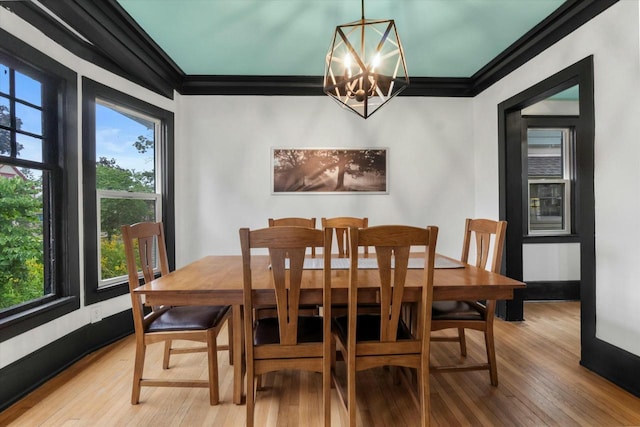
x=218, y=280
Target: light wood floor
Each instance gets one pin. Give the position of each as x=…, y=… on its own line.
x=541, y=383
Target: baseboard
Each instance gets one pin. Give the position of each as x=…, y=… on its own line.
x=25, y=375
x=613, y=363
x=565, y=290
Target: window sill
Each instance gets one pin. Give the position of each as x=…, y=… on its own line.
x=23, y=321
x=560, y=238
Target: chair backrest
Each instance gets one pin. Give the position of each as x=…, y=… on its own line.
x=149, y=237
x=393, y=245
x=295, y=222
x=287, y=246
x=342, y=224
x=484, y=229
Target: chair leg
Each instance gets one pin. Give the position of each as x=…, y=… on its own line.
x=333, y=360
x=463, y=342
x=326, y=390
x=259, y=383
x=212, y=350
x=491, y=356
x=167, y=354
x=230, y=334
x=424, y=395
x=250, y=399
x=352, y=407
x=138, y=368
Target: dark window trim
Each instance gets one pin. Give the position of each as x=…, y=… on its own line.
x=67, y=268
x=90, y=91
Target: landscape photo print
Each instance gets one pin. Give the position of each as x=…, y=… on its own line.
x=329, y=170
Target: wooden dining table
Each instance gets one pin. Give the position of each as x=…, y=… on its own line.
x=218, y=280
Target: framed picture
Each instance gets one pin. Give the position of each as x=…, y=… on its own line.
x=329, y=170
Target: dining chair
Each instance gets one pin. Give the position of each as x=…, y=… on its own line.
x=384, y=339
x=296, y=222
x=341, y=225
x=476, y=315
x=290, y=340
x=166, y=324
x=292, y=222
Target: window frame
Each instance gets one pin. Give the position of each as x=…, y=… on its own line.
x=111, y=194
x=567, y=156
x=92, y=90
x=60, y=132
x=566, y=208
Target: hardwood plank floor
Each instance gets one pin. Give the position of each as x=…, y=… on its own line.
x=541, y=383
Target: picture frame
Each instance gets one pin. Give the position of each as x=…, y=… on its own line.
x=329, y=171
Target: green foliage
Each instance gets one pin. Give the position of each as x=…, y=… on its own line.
x=21, y=232
x=116, y=212
x=5, y=135
x=21, y=242
x=112, y=258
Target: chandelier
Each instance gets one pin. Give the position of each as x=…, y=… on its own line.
x=365, y=65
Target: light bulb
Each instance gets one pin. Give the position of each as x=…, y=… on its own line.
x=376, y=62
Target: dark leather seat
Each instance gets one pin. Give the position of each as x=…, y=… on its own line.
x=267, y=331
x=368, y=328
x=188, y=317
x=455, y=310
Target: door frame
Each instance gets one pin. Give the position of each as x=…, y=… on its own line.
x=510, y=128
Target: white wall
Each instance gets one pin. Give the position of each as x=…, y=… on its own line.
x=612, y=37
x=550, y=261
x=21, y=345
x=223, y=163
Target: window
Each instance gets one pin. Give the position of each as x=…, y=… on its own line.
x=125, y=181
x=38, y=187
x=126, y=143
x=550, y=169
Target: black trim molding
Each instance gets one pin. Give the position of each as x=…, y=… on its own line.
x=119, y=44
x=67, y=275
x=613, y=363
x=90, y=91
x=25, y=375
x=565, y=290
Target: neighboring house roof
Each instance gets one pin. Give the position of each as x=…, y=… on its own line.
x=9, y=171
x=545, y=166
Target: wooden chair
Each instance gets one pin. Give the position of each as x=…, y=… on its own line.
x=476, y=315
x=296, y=222
x=342, y=225
x=384, y=339
x=165, y=324
x=289, y=340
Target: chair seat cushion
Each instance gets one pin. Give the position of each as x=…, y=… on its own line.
x=266, y=330
x=455, y=310
x=368, y=328
x=188, y=318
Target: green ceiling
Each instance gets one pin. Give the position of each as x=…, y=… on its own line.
x=441, y=38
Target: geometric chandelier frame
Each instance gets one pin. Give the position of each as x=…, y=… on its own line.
x=365, y=66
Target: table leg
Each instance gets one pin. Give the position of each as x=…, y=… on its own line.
x=238, y=355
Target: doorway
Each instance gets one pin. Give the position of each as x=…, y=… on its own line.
x=572, y=208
